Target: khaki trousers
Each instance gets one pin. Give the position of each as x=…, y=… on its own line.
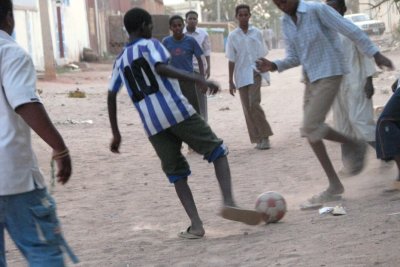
x=318, y=100
x=257, y=124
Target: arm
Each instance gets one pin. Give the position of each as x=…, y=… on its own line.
x=207, y=53
x=19, y=89
x=332, y=19
x=171, y=72
x=369, y=87
x=201, y=65
x=232, y=86
x=208, y=70
x=290, y=61
x=112, y=114
x=36, y=117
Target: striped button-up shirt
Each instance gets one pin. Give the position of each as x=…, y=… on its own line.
x=158, y=99
x=314, y=43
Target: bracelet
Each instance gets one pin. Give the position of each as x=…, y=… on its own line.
x=61, y=154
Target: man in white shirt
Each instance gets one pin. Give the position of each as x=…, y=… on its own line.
x=244, y=45
x=353, y=112
x=27, y=211
x=202, y=38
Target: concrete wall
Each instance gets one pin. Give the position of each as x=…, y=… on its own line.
x=28, y=30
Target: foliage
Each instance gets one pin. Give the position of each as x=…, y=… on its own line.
x=378, y=3
x=263, y=12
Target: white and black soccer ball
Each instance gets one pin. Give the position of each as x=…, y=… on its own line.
x=271, y=205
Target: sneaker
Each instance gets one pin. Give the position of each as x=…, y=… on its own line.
x=264, y=144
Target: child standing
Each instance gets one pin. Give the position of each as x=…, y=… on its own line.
x=169, y=119
x=182, y=49
x=245, y=45
x=203, y=39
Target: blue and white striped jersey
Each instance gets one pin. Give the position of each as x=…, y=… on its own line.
x=158, y=99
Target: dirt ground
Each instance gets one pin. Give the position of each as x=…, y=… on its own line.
x=120, y=210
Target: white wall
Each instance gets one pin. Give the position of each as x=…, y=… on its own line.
x=28, y=31
x=75, y=31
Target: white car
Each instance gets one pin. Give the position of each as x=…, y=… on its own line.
x=365, y=23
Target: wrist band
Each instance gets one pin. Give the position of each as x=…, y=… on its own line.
x=60, y=155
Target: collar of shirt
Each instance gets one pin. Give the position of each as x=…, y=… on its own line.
x=250, y=30
x=196, y=31
x=5, y=35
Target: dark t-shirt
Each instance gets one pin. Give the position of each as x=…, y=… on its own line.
x=182, y=52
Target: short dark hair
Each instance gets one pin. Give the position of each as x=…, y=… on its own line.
x=135, y=18
x=191, y=12
x=240, y=7
x=5, y=7
x=340, y=3
x=174, y=17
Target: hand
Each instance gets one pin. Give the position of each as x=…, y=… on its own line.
x=232, y=88
x=213, y=87
x=382, y=61
x=394, y=86
x=115, y=143
x=207, y=73
x=264, y=65
x=369, y=88
x=64, y=167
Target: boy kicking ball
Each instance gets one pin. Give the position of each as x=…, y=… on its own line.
x=169, y=119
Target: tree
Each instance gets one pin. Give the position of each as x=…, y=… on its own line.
x=263, y=12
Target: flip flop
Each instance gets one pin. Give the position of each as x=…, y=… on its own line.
x=250, y=217
x=188, y=235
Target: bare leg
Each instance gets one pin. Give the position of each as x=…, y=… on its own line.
x=356, y=151
x=335, y=136
x=185, y=195
x=230, y=211
x=335, y=186
x=223, y=174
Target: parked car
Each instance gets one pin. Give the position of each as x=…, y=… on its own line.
x=365, y=23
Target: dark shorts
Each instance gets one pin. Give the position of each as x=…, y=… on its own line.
x=197, y=134
x=388, y=129
x=188, y=89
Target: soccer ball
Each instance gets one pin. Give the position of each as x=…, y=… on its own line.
x=271, y=205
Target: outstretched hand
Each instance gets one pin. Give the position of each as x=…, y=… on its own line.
x=264, y=65
x=382, y=61
x=213, y=87
x=208, y=86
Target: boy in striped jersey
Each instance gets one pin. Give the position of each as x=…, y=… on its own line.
x=168, y=118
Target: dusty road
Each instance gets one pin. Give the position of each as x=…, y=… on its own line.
x=120, y=210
